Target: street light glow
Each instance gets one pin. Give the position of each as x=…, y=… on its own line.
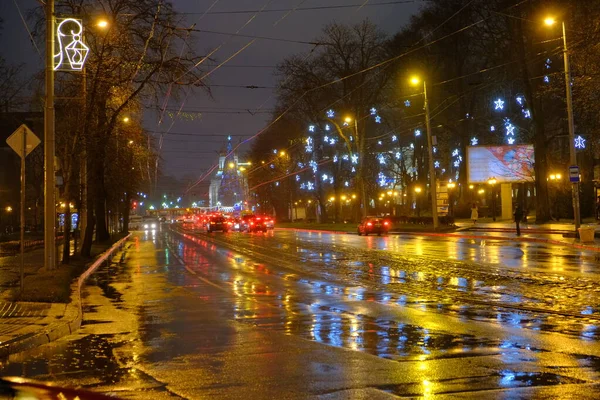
x=418, y=189
x=9, y=209
x=126, y=119
x=415, y=80
x=348, y=119
x=549, y=21
x=102, y=23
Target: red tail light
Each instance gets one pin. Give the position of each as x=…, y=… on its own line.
x=258, y=219
x=369, y=224
x=251, y=223
x=386, y=223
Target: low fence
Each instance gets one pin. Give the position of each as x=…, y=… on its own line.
x=14, y=246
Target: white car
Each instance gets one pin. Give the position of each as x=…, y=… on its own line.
x=150, y=223
x=135, y=222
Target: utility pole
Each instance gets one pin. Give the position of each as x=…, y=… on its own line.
x=572, y=154
x=432, y=180
x=49, y=184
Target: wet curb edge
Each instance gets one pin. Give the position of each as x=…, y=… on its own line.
x=71, y=319
x=463, y=236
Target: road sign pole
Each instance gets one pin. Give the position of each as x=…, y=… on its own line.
x=23, y=155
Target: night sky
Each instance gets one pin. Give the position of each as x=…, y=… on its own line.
x=186, y=157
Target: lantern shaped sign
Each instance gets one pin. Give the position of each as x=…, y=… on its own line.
x=71, y=51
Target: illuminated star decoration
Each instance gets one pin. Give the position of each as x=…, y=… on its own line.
x=526, y=114
x=353, y=169
x=546, y=79
x=398, y=155
x=311, y=128
x=332, y=141
x=378, y=119
x=330, y=114
x=412, y=146
x=382, y=179
x=499, y=104
x=379, y=142
x=327, y=127
x=354, y=159
x=310, y=185
x=346, y=183
x=436, y=164
x=373, y=111
x=520, y=100
x=297, y=178
x=434, y=150
x=418, y=132
x=474, y=141
x=511, y=140
x=492, y=128
x=303, y=186
x=457, y=163
x=326, y=138
x=381, y=159
x=345, y=123
x=345, y=157
x=335, y=158
x=331, y=180
x=394, y=138
x=510, y=129
x=455, y=152
x=407, y=103
x=579, y=142
x=274, y=151
x=325, y=177
x=548, y=63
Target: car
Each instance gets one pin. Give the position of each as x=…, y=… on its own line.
x=216, y=223
x=270, y=222
x=373, y=225
x=150, y=223
x=257, y=224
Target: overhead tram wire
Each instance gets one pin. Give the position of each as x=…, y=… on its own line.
x=313, y=8
x=383, y=63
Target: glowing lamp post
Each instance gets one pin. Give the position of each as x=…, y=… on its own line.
x=432, y=181
x=572, y=155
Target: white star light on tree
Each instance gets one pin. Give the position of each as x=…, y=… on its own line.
x=330, y=114
x=455, y=152
x=373, y=111
x=474, y=141
x=326, y=138
x=394, y=138
x=301, y=165
x=345, y=123
x=398, y=155
x=412, y=146
x=492, y=128
x=345, y=157
x=546, y=79
x=499, y=104
x=311, y=128
x=407, y=103
x=378, y=119
x=332, y=141
x=510, y=130
x=354, y=159
x=436, y=164
x=327, y=127
x=353, y=169
x=381, y=159
x=331, y=180
x=310, y=185
x=457, y=164
x=346, y=183
x=325, y=177
x=297, y=178
x=435, y=150
x=520, y=100
x=579, y=142
x=335, y=158
x=303, y=186
x=418, y=132
x=526, y=114
x=379, y=142
x=511, y=140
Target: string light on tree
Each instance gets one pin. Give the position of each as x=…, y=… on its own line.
x=398, y=155
x=373, y=111
x=520, y=100
x=325, y=177
x=327, y=127
x=406, y=103
x=377, y=119
x=492, y=128
x=418, y=132
x=345, y=157
x=311, y=128
x=526, y=114
x=394, y=138
x=330, y=114
x=546, y=79
x=511, y=140
x=499, y=105
x=381, y=159
x=310, y=185
x=436, y=164
x=474, y=141
x=354, y=159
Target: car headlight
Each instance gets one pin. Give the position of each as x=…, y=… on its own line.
x=146, y=226
x=153, y=225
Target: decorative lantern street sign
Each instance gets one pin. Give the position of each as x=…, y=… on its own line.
x=72, y=52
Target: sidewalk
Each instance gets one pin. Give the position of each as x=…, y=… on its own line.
x=25, y=325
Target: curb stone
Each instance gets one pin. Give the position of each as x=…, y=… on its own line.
x=72, y=317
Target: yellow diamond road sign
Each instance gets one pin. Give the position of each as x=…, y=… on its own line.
x=15, y=141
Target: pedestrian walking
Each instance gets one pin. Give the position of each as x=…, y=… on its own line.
x=518, y=218
x=474, y=213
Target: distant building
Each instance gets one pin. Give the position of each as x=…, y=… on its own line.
x=229, y=186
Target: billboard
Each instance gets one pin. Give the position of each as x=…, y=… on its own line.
x=505, y=163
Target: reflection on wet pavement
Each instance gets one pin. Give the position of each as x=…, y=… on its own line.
x=194, y=316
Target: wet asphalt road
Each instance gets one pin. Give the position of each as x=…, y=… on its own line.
x=298, y=315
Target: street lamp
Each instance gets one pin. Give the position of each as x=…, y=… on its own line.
x=415, y=81
x=418, y=191
x=572, y=155
x=102, y=23
x=492, y=182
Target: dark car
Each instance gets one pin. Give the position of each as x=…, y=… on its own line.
x=216, y=223
x=373, y=225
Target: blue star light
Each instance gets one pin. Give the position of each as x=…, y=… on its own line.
x=373, y=111
x=378, y=119
x=330, y=114
x=579, y=142
x=311, y=128
x=406, y=103
x=474, y=141
x=418, y=132
x=499, y=104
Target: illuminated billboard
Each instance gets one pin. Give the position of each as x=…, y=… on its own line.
x=505, y=163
